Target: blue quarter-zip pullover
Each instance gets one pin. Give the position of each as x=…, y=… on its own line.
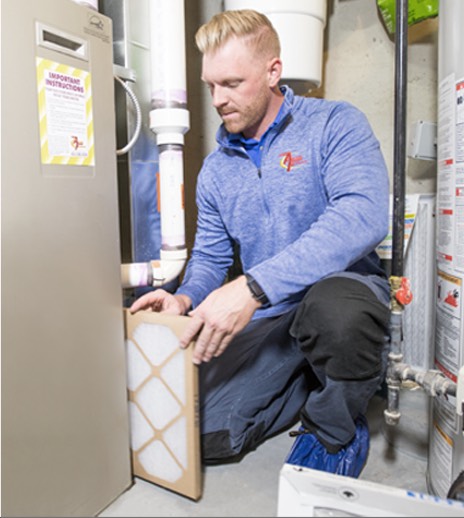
x=318, y=204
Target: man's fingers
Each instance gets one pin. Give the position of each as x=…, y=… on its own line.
x=223, y=345
x=152, y=300
x=208, y=340
x=143, y=302
x=209, y=344
x=212, y=329
x=193, y=328
x=217, y=345
x=201, y=346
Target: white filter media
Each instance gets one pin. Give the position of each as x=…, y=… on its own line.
x=158, y=404
x=158, y=462
x=156, y=342
x=175, y=438
x=141, y=431
x=138, y=369
x=158, y=401
x=173, y=374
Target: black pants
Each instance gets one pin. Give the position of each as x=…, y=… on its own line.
x=321, y=363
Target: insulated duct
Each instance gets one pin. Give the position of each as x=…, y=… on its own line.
x=169, y=120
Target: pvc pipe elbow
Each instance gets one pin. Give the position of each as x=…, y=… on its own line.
x=169, y=267
x=154, y=273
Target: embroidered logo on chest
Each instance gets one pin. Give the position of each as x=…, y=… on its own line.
x=290, y=162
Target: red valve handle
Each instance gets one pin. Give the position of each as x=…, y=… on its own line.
x=404, y=294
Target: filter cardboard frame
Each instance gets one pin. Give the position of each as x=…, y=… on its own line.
x=163, y=403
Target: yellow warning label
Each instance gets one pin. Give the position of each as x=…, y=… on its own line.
x=65, y=114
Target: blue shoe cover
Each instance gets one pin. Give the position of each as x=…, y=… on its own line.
x=308, y=452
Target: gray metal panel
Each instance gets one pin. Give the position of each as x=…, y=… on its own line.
x=65, y=434
x=115, y=9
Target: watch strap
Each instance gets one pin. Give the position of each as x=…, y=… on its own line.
x=256, y=290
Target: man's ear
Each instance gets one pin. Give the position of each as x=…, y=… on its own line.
x=274, y=71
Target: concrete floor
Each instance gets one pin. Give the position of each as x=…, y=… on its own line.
x=398, y=458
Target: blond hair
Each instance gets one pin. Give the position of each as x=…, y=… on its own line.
x=251, y=25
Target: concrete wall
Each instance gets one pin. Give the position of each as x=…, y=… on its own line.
x=359, y=67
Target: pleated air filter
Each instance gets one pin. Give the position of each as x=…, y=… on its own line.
x=162, y=383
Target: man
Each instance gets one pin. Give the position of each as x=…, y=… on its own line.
x=299, y=185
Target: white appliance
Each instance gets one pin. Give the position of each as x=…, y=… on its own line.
x=308, y=492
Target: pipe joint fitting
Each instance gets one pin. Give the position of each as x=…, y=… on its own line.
x=170, y=125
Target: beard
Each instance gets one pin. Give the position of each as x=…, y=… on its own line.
x=247, y=117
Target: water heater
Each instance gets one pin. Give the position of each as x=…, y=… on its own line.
x=446, y=449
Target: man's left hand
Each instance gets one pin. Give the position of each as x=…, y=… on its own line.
x=215, y=321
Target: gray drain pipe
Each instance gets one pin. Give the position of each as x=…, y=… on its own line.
x=391, y=413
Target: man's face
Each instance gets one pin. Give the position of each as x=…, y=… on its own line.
x=239, y=86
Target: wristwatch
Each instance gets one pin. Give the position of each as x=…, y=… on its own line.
x=256, y=290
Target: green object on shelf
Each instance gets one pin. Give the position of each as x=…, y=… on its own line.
x=418, y=10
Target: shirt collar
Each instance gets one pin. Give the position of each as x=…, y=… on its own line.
x=236, y=138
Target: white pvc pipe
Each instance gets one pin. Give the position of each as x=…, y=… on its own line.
x=171, y=193
x=169, y=117
x=168, y=69
x=135, y=275
x=154, y=273
x=169, y=267
x=169, y=120
x=92, y=4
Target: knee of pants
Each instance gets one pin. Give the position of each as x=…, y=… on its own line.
x=342, y=328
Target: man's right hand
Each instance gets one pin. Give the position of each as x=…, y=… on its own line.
x=162, y=301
